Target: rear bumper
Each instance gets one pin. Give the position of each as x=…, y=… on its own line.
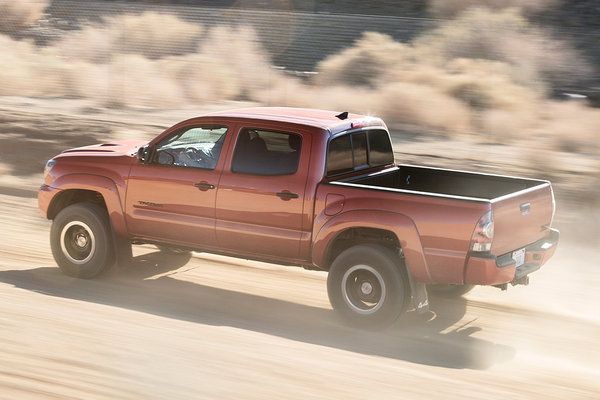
x=488, y=269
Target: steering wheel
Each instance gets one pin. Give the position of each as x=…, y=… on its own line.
x=197, y=155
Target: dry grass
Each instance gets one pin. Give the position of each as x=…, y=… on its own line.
x=16, y=15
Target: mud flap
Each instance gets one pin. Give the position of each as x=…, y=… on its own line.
x=419, y=295
x=122, y=248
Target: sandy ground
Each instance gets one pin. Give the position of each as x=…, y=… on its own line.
x=213, y=327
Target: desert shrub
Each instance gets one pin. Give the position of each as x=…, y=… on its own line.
x=399, y=103
x=505, y=126
x=152, y=35
x=16, y=15
x=536, y=58
x=364, y=63
x=481, y=75
x=452, y=8
x=570, y=126
x=291, y=92
x=227, y=63
x=425, y=106
x=447, y=95
x=31, y=71
x=15, y=64
x=240, y=51
x=130, y=80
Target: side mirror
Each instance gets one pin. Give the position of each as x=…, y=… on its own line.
x=142, y=154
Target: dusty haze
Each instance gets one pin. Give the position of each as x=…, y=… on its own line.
x=472, y=93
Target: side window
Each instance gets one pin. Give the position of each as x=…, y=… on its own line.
x=197, y=147
x=263, y=152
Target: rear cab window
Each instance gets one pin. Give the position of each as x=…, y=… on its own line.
x=354, y=151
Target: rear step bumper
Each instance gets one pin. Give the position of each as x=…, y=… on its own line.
x=487, y=269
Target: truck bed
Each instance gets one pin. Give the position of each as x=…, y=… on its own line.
x=522, y=208
x=435, y=181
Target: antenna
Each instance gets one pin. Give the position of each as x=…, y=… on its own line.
x=343, y=115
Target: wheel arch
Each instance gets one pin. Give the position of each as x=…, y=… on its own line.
x=78, y=188
x=391, y=230
x=65, y=198
x=350, y=237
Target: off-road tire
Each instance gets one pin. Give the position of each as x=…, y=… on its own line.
x=368, y=287
x=81, y=240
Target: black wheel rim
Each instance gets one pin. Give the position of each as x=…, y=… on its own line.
x=77, y=242
x=363, y=289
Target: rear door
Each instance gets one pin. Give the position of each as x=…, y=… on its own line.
x=260, y=198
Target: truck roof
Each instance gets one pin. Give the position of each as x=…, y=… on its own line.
x=328, y=120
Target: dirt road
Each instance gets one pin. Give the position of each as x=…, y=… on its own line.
x=219, y=328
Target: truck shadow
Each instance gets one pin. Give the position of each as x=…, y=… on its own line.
x=417, y=339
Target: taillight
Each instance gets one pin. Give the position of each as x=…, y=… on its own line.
x=553, y=206
x=483, y=233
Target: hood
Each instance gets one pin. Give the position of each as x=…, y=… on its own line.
x=117, y=148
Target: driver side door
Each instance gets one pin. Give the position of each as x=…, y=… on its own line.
x=171, y=198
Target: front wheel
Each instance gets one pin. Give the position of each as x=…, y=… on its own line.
x=81, y=240
x=367, y=286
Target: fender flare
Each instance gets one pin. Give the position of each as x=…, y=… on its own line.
x=101, y=184
x=400, y=224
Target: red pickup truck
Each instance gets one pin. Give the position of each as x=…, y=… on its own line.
x=301, y=187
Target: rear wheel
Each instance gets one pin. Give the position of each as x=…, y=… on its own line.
x=81, y=240
x=367, y=286
x=449, y=290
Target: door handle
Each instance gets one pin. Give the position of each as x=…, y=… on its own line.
x=287, y=195
x=204, y=186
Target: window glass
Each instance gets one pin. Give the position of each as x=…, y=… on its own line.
x=339, y=158
x=359, y=143
x=262, y=152
x=197, y=147
x=380, y=148
x=350, y=152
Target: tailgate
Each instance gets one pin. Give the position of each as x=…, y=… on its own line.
x=521, y=218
